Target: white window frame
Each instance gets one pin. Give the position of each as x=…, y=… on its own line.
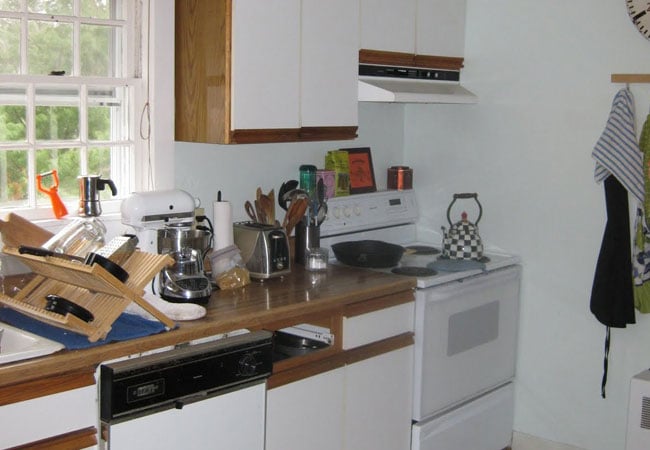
x=152, y=107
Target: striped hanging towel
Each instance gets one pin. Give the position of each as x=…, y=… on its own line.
x=617, y=152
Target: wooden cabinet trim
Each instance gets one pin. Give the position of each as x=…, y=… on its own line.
x=304, y=134
x=263, y=135
x=45, y=386
x=328, y=133
x=381, y=57
x=378, y=348
x=78, y=439
x=305, y=371
x=357, y=309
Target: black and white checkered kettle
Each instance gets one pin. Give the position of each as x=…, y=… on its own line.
x=462, y=241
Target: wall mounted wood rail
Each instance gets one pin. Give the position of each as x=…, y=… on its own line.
x=630, y=78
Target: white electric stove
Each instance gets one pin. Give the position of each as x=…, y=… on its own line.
x=466, y=321
x=391, y=216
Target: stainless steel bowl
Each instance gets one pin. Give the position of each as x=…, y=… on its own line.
x=176, y=239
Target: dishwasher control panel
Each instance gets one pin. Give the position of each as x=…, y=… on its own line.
x=176, y=377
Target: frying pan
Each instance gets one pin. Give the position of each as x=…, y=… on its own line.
x=368, y=253
x=91, y=258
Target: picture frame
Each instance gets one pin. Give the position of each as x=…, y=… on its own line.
x=362, y=173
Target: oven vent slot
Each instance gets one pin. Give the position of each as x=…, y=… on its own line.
x=645, y=413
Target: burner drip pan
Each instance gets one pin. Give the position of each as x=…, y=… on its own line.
x=421, y=250
x=414, y=271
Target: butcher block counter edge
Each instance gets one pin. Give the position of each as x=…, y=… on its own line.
x=318, y=298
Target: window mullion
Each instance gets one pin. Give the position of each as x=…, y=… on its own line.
x=23, y=45
x=31, y=140
x=83, y=129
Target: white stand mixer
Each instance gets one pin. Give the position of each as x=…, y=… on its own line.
x=164, y=223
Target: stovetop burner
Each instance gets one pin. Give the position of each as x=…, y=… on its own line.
x=414, y=271
x=421, y=250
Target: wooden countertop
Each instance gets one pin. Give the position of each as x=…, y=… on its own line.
x=273, y=303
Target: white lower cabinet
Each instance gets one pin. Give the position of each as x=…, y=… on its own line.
x=48, y=417
x=378, y=402
x=362, y=406
x=306, y=414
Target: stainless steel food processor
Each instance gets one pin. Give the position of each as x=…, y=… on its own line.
x=164, y=222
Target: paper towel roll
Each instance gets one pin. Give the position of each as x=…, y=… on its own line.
x=222, y=223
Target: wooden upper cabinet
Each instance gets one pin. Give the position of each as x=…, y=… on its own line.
x=250, y=71
x=428, y=33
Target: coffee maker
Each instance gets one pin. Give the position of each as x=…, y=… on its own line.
x=164, y=223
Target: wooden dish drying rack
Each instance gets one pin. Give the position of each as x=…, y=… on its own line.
x=92, y=287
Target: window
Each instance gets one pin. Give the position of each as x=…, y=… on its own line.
x=70, y=85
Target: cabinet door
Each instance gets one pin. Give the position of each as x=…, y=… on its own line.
x=378, y=402
x=388, y=25
x=330, y=57
x=306, y=414
x=440, y=27
x=265, y=64
x=49, y=416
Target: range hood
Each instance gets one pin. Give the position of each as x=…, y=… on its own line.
x=395, y=84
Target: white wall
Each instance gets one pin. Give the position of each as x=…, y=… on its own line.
x=542, y=72
x=237, y=170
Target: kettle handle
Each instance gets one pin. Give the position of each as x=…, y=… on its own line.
x=465, y=195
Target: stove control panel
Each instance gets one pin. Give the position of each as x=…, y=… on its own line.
x=367, y=211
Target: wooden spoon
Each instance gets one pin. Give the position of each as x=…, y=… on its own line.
x=295, y=213
x=266, y=205
x=271, y=197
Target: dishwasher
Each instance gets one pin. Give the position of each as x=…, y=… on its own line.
x=208, y=395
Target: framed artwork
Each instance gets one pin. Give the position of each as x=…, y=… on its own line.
x=362, y=174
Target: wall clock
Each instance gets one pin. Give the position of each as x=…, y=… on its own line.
x=639, y=11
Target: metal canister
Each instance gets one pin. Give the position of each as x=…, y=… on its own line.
x=400, y=178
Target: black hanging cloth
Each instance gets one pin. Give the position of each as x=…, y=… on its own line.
x=612, y=296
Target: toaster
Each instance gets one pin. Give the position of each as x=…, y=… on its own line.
x=264, y=249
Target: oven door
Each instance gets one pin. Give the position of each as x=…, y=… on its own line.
x=465, y=339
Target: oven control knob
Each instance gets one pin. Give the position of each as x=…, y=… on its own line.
x=337, y=212
x=347, y=212
x=357, y=210
x=248, y=365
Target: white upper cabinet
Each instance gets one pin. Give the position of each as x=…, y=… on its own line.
x=265, y=64
x=252, y=71
x=388, y=25
x=423, y=27
x=329, y=60
x=440, y=27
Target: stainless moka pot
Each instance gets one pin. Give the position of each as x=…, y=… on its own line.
x=89, y=188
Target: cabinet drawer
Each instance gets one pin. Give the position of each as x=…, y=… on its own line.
x=377, y=325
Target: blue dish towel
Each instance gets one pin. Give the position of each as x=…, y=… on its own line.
x=127, y=326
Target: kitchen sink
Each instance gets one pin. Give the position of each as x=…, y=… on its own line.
x=17, y=344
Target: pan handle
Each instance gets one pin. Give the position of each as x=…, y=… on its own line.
x=63, y=306
x=40, y=251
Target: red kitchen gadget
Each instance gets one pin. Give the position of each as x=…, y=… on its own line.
x=53, y=192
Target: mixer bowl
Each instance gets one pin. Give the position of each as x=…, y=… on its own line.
x=172, y=239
